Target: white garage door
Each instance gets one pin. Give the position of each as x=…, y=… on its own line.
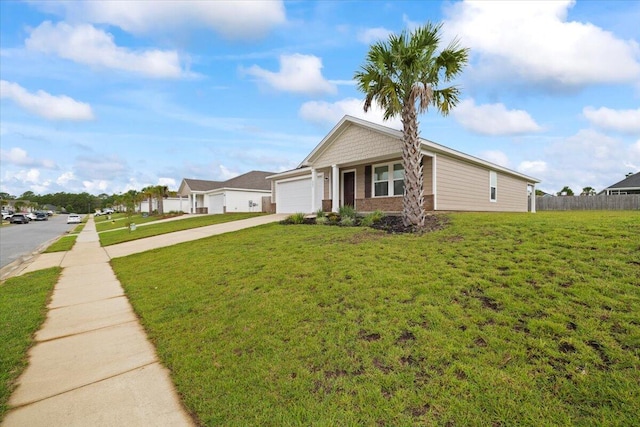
x=216, y=203
x=295, y=196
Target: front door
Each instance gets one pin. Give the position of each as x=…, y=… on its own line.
x=349, y=189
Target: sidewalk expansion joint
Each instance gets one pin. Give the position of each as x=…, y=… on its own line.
x=86, y=332
x=88, y=302
x=22, y=405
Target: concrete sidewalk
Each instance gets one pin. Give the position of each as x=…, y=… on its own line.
x=92, y=363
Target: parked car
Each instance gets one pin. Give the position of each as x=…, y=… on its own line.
x=6, y=216
x=107, y=211
x=30, y=215
x=73, y=219
x=19, y=218
x=42, y=216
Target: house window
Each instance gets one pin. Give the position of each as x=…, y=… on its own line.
x=388, y=180
x=493, y=186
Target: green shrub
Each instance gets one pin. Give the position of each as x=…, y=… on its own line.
x=322, y=220
x=347, y=211
x=333, y=217
x=372, y=218
x=320, y=213
x=348, y=221
x=296, y=218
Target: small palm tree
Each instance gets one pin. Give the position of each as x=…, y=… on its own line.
x=588, y=191
x=160, y=192
x=403, y=76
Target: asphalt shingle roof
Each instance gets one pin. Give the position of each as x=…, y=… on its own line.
x=254, y=180
x=632, y=181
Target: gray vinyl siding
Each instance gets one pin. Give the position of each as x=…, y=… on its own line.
x=463, y=186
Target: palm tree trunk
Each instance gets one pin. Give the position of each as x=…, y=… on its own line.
x=413, y=213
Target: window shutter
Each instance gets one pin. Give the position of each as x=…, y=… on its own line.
x=367, y=182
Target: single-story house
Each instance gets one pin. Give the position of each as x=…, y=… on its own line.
x=169, y=204
x=240, y=194
x=360, y=164
x=629, y=185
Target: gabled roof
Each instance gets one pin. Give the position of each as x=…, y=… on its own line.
x=254, y=180
x=632, y=181
x=201, y=184
x=427, y=146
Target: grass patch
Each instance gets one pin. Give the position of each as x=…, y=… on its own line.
x=23, y=302
x=119, y=236
x=121, y=220
x=497, y=319
x=63, y=244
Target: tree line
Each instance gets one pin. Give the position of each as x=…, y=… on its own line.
x=84, y=203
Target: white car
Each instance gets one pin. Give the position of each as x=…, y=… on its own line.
x=73, y=219
x=31, y=216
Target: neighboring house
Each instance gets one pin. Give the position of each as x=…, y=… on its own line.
x=629, y=185
x=240, y=194
x=360, y=164
x=169, y=204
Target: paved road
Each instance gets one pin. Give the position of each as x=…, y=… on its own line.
x=17, y=240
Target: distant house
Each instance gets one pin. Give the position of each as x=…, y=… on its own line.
x=240, y=194
x=359, y=163
x=169, y=204
x=629, y=185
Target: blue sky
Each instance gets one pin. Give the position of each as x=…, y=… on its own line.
x=104, y=96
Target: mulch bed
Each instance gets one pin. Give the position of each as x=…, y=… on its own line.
x=394, y=225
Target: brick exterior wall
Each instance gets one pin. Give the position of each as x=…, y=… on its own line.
x=388, y=204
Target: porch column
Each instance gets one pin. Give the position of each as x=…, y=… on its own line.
x=313, y=190
x=335, y=188
x=533, y=198
x=193, y=203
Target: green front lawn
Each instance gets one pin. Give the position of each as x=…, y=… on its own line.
x=103, y=223
x=23, y=302
x=124, y=235
x=63, y=244
x=499, y=319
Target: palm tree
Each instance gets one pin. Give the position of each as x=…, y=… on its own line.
x=148, y=192
x=160, y=191
x=588, y=191
x=403, y=76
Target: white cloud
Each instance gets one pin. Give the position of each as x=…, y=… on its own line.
x=493, y=119
x=169, y=182
x=65, y=178
x=298, y=73
x=95, y=186
x=18, y=156
x=372, y=35
x=88, y=45
x=535, y=41
x=226, y=173
x=30, y=176
x=627, y=121
x=495, y=156
x=331, y=113
x=233, y=19
x=46, y=105
x=533, y=168
x=588, y=158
